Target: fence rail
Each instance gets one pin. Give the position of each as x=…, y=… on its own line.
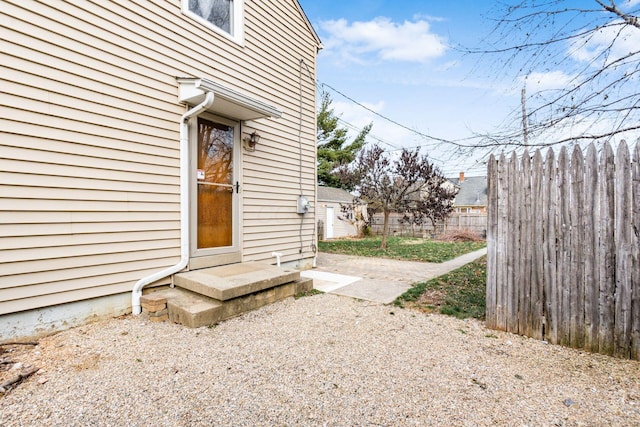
x=563, y=248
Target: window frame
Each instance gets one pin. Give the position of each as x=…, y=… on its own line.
x=236, y=24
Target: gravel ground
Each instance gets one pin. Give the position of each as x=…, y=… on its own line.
x=321, y=360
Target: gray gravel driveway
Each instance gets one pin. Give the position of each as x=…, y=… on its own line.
x=324, y=360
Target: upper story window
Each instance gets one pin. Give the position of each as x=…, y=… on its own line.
x=223, y=16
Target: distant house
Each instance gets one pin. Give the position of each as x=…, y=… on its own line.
x=142, y=138
x=336, y=222
x=472, y=194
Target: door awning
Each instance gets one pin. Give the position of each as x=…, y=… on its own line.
x=227, y=102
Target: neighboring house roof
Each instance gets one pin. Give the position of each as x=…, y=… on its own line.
x=473, y=191
x=330, y=194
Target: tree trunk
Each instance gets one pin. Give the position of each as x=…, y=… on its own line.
x=385, y=230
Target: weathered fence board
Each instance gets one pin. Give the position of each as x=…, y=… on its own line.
x=550, y=283
x=492, y=224
x=624, y=260
x=503, y=234
x=563, y=258
x=635, y=274
x=475, y=222
x=512, y=259
x=577, y=232
x=607, y=251
x=564, y=243
x=526, y=247
x=537, y=261
x=591, y=273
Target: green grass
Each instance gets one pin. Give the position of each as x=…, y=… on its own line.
x=404, y=248
x=460, y=293
x=309, y=293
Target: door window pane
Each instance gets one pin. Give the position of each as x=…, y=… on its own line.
x=215, y=152
x=215, y=180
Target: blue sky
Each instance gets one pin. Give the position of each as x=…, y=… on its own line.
x=400, y=59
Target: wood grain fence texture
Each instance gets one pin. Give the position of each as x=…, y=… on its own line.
x=563, y=236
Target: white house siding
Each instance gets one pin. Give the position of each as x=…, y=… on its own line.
x=341, y=227
x=89, y=129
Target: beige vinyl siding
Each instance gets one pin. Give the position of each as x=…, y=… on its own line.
x=272, y=173
x=89, y=160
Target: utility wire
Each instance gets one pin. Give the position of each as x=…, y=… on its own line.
x=385, y=142
x=417, y=132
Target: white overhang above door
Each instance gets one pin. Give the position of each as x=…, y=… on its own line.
x=227, y=102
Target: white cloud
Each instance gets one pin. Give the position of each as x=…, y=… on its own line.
x=630, y=3
x=382, y=133
x=431, y=18
x=384, y=39
x=356, y=115
x=618, y=41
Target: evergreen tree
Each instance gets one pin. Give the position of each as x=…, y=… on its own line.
x=334, y=149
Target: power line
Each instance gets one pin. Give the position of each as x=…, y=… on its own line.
x=369, y=135
x=435, y=145
x=417, y=132
x=385, y=142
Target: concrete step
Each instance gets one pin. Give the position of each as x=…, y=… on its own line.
x=195, y=310
x=234, y=280
x=191, y=309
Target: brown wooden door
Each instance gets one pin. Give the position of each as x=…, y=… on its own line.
x=215, y=185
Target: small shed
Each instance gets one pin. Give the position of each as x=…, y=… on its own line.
x=333, y=221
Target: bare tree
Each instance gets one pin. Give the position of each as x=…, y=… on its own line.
x=356, y=214
x=584, y=58
x=409, y=185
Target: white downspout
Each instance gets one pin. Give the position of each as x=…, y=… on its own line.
x=184, y=207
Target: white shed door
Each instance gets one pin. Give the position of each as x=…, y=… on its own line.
x=329, y=223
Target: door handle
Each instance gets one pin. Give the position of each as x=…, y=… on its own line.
x=237, y=187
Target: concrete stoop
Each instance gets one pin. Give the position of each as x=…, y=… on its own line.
x=208, y=296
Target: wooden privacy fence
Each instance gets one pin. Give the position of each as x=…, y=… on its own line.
x=563, y=248
x=475, y=222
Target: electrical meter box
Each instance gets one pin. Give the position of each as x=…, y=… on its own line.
x=303, y=205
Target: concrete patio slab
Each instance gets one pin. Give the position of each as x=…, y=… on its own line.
x=377, y=279
x=328, y=282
